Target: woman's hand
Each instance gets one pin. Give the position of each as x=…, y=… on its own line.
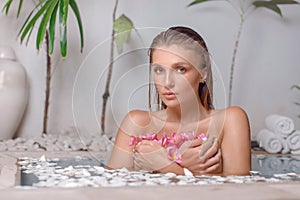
x=150, y=156
x=201, y=157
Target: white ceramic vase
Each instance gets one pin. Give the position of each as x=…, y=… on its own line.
x=13, y=92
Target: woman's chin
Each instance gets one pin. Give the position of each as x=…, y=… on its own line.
x=172, y=103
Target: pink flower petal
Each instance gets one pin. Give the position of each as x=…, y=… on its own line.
x=173, y=153
x=202, y=136
x=133, y=141
x=172, y=143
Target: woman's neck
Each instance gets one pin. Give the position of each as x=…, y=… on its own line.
x=186, y=114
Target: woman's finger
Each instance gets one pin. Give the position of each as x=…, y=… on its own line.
x=216, y=159
x=205, y=146
x=204, y=164
x=210, y=149
x=137, y=164
x=196, y=143
x=212, y=168
x=141, y=146
x=139, y=160
x=209, y=170
x=190, y=144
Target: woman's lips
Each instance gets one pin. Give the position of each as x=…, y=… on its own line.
x=169, y=95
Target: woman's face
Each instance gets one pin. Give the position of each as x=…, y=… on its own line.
x=176, y=79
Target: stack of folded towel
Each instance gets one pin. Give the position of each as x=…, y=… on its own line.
x=279, y=135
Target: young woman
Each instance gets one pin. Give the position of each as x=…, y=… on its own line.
x=181, y=68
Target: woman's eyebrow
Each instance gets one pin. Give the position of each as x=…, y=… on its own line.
x=174, y=65
x=180, y=64
x=156, y=65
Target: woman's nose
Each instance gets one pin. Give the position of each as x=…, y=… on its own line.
x=169, y=80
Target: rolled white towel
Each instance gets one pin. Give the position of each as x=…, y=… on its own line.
x=293, y=140
x=269, y=141
x=279, y=124
x=295, y=152
x=285, y=146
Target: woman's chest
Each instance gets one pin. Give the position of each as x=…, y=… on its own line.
x=168, y=128
x=209, y=126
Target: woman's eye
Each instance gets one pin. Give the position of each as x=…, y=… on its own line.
x=158, y=70
x=181, y=70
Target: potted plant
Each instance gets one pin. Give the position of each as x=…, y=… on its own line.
x=121, y=30
x=243, y=11
x=44, y=16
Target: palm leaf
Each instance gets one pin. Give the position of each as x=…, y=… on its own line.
x=32, y=22
x=269, y=5
x=273, y=4
x=197, y=2
x=26, y=21
x=7, y=6
x=24, y=24
x=284, y=2
x=52, y=29
x=44, y=22
x=77, y=15
x=28, y=36
x=63, y=15
x=47, y=11
x=19, y=7
x=296, y=86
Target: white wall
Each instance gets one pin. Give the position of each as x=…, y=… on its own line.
x=267, y=62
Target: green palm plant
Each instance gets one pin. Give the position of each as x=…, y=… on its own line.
x=243, y=12
x=45, y=14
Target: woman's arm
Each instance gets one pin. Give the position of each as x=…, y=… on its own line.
x=198, y=157
x=132, y=125
x=230, y=154
x=151, y=156
x=201, y=157
x=235, y=146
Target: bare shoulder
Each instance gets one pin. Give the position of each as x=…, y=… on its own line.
x=235, y=113
x=135, y=122
x=231, y=113
x=139, y=117
x=236, y=118
x=145, y=118
x=232, y=118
